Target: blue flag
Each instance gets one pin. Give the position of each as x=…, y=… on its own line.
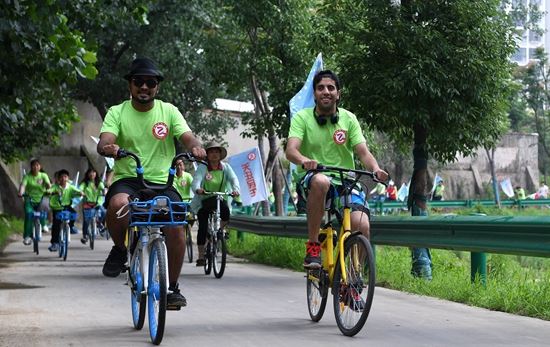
x=304, y=98
x=249, y=170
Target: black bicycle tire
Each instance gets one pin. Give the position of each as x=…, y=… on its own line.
x=36, y=237
x=371, y=282
x=189, y=243
x=91, y=234
x=66, y=232
x=158, y=251
x=219, y=242
x=321, y=288
x=208, y=258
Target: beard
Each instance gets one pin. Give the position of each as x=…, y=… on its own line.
x=146, y=100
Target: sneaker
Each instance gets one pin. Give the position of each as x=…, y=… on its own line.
x=84, y=240
x=313, y=255
x=201, y=262
x=54, y=247
x=27, y=241
x=174, y=299
x=45, y=229
x=352, y=298
x=115, y=262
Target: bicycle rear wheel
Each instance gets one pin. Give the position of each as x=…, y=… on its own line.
x=189, y=243
x=208, y=258
x=138, y=299
x=36, y=238
x=353, y=297
x=219, y=254
x=61, y=242
x=317, y=284
x=157, y=291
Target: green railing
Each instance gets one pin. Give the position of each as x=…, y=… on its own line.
x=478, y=234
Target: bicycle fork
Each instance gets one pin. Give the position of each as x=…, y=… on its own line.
x=146, y=240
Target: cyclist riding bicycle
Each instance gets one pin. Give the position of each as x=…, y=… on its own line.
x=217, y=177
x=62, y=194
x=34, y=185
x=94, y=190
x=147, y=127
x=183, y=181
x=329, y=135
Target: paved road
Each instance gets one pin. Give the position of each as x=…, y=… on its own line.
x=47, y=302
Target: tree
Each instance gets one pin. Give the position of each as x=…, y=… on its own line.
x=176, y=36
x=40, y=58
x=270, y=40
x=434, y=74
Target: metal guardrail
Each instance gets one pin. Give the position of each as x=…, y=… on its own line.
x=382, y=205
x=497, y=234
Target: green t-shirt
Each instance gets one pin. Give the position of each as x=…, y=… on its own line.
x=439, y=189
x=35, y=186
x=92, y=193
x=329, y=144
x=213, y=181
x=63, y=196
x=183, y=185
x=149, y=134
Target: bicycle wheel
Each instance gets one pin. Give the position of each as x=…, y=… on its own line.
x=317, y=284
x=36, y=238
x=61, y=243
x=353, y=297
x=92, y=232
x=208, y=258
x=138, y=299
x=189, y=243
x=219, y=255
x=65, y=242
x=157, y=291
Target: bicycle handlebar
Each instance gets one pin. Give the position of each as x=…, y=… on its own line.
x=371, y=174
x=122, y=153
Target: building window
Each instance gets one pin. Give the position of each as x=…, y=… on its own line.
x=520, y=56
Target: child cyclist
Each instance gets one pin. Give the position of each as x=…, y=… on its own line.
x=93, y=189
x=62, y=195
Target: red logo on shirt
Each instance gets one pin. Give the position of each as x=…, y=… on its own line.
x=183, y=183
x=160, y=130
x=251, y=156
x=339, y=136
x=208, y=176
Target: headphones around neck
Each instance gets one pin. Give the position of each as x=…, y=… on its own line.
x=321, y=120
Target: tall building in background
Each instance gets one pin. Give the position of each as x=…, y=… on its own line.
x=530, y=39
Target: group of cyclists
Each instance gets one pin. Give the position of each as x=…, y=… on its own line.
x=40, y=194
x=149, y=127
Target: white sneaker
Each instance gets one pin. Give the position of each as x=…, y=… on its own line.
x=45, y=229
x=27, y=241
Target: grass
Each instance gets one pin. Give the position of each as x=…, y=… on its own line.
x=8, y=226
x=515, y=284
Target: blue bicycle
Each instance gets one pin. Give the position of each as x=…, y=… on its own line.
x=65, y=217
x=148, y=267
x=37, y=214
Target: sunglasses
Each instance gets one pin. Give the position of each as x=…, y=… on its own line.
x=138, y=82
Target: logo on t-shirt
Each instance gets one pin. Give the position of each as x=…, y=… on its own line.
x=40, y=181
x=183, y=183
x=160, y=130
x=208, y=176
x=339, y=136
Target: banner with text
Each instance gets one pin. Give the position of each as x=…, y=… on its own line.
x=249, y=170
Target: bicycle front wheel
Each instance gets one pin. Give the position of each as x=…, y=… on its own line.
x=65, y=242
x=189, y=243
x=138, y=298
x=36, y=239
x=208, y=258
x=219, y=255
x=317, y=284
x=93, y=232
x=157, y=291
x=353, y=296
x=61, y=244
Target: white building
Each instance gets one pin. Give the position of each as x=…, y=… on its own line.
x=530, y=40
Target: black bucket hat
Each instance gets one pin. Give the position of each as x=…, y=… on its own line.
x=145, y=67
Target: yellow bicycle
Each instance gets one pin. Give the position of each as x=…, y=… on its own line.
x=348, y=264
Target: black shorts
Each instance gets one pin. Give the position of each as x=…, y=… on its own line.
x=131, y=186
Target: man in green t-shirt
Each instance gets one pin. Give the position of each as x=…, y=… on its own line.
x=145, y=126
x=328, y=135
x=182, y=181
